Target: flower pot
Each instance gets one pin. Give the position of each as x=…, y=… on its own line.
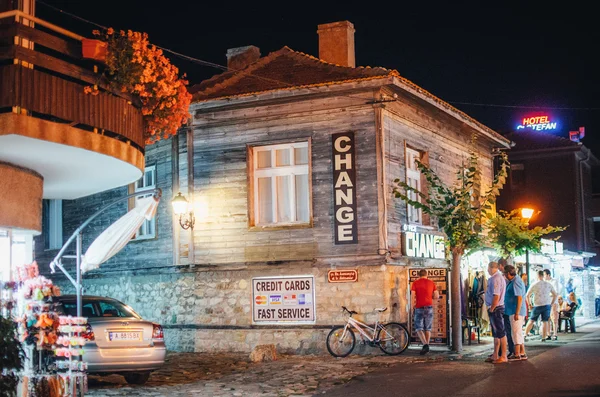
x=94, y=49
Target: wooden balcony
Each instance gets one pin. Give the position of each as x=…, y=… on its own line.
x=47, y=75
x=42, y=99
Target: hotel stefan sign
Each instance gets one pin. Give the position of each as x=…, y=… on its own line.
x=422, y=245
x=344, y=188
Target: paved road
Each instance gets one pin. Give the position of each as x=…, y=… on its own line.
x=569, y=370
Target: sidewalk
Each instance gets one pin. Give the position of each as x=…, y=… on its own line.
x=229, y=374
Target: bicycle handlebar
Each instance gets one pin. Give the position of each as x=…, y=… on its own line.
x=351, y=312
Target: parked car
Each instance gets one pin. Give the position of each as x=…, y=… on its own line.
x=118, y=339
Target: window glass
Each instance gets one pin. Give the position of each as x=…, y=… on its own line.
x=301, y=155
x=115, y=309
x=284, y=204
x=282, y=157
x=265, y=200
x=413, y=179
x=302, y=191
x=264, y=158
x=147, y=181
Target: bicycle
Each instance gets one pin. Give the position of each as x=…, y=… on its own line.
x=392, y=338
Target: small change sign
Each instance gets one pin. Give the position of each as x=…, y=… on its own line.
x=287, y=300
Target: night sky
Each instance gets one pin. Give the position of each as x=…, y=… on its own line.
x=506, y=58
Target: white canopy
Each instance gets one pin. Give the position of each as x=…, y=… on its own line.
x=117, y=235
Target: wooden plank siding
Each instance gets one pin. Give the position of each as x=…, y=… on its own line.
x=220, y=178
x=446, y=143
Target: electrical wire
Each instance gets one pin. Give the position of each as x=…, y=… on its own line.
x=225, y=68
x=520, y=107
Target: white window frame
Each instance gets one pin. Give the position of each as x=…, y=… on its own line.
x=55, y=224
x=148, y=228
x=273, y=172
x=413, y=179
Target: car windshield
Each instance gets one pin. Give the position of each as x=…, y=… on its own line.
x=99, y=308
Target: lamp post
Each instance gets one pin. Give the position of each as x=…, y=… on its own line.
x=527, y=213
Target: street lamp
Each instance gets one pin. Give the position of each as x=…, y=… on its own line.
x=180, y=207
x=527, y=213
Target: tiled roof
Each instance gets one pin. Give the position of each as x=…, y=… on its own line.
x=282, y=69
x=526, y=140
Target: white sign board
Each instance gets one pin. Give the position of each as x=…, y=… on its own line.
x=283, y=300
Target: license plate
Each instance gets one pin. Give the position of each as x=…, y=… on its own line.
x=124, y=336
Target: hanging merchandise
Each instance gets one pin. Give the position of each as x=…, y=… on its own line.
x=53, y=343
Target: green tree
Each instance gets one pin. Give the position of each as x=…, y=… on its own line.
x=510, y=235
x=11, y=358
x=460, y=212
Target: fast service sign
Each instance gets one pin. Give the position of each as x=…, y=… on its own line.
x=287, y=300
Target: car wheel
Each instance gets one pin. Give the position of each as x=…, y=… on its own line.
x=136, y=378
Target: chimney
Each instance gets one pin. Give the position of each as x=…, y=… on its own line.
x=240, y=57
x=336, y=43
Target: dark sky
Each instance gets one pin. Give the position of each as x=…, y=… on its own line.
x=517, y=56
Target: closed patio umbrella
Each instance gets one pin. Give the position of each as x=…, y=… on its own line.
x=117, y=235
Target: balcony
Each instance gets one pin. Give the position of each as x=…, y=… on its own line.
x=80, y=144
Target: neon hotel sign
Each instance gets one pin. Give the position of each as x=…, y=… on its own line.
x=538, y=123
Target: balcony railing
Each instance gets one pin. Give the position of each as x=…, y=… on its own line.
x=43, y=74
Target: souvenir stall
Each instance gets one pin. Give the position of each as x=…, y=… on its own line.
x=474, y=283
x=52, y=342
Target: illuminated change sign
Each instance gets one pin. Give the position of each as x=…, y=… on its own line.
x=422, y=245
x=538, y=123
x=281, y=300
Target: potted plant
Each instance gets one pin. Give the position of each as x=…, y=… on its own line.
x=135, y=66
x=94, y=49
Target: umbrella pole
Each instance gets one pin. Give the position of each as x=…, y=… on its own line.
x=78, y=286
x=78, y=234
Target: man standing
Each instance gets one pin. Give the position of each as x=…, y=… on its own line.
x=494, y=299
x=515, y=309
x=554, y=311
x=544, y=296
x=423, y=293
x=502, y=263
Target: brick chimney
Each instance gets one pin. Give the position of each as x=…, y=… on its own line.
x=336, y=43
x=240, y=57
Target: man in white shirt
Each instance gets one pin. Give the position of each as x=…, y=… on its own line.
x=544, y=297
x=554, y=310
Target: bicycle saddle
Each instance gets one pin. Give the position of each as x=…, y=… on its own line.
x=349, y=311
x=381, y=310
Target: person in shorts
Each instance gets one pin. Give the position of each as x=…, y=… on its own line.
x=544, y=296
x=494, y=299
x=423, y=293
x=554, y=311
x=515, y=309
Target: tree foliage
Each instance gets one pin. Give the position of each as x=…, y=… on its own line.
x=510, y=235
x=460, y=210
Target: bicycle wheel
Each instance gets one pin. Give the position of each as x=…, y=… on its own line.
x=340, y=343
x=393, y=338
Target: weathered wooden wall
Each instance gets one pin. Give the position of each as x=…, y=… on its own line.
x=220, y=180
x=446, y=141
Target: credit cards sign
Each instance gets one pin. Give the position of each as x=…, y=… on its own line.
x=277, y=300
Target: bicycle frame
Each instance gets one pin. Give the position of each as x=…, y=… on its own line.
x=360, y=327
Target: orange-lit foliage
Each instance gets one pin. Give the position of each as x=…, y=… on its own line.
x=135, y=66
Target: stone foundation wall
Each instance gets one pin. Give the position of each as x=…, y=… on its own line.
x=212, y=310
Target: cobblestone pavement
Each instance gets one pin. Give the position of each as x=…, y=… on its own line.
x=201, y=374
x=228, y=374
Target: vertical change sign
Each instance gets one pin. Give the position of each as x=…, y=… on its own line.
x=283, y=300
